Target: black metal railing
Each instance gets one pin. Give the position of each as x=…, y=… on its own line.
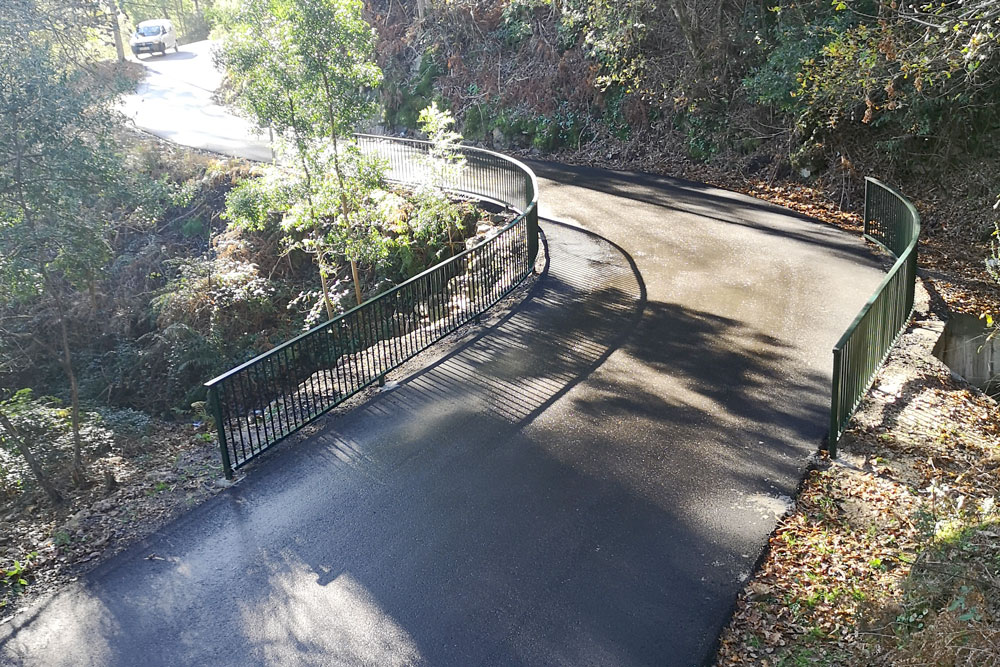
x=275, y=394
x=894, y=223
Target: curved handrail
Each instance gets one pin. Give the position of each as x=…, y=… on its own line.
x=893, y=222
x=273, y=395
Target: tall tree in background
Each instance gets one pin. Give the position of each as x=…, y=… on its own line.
x=188, y=16
x=57, y=167
x=306, y=69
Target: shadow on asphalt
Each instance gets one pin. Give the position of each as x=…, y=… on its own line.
x=674, y=194
x=530, y=498
x=154, y=58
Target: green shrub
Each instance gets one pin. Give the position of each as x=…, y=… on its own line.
x=44, y=422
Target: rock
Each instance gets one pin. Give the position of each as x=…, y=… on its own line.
x=165, y=476
x=432, y=306
x=77, y=519
x=499, y=141
x=484, y=228
x=105, y=505
x=223, y=483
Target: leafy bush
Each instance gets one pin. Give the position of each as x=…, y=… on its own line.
x=14, y=578
x=516, y=21
x=44, y=423
x=217, y=296
x=911, y=73
x=257, y=203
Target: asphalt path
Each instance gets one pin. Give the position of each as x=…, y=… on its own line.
x=587, y=481
x=175, y=101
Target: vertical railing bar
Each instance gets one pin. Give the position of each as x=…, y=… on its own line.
x=354, y=345
x=315, y=377
x=274, y=372
x=293, y=384
x=244, y=384
x=260, y=425
x=340, y=360
x=264, y=400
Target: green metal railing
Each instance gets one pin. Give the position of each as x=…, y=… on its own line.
x=275, y=394
x=892, y=222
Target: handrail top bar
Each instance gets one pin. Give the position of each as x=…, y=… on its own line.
x=275, y=350
x=507, y=158
x=897, y=265
x=914, y=213
x=896, y=268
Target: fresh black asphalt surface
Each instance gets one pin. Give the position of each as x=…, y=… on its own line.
x=587, y=481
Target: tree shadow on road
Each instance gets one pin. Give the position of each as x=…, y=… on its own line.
x=587, y=481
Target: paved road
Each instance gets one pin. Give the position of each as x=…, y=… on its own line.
x=586, y=482
x=175, y=102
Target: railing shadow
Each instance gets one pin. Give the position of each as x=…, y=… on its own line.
x=582, y=482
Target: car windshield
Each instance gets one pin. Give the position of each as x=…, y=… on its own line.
x=148, y=30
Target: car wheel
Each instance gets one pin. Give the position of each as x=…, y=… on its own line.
x=177, y=48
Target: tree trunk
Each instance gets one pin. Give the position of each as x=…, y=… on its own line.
x=327, y=88
x=357, y=282
x=116, y=31
x=687, y=20
x=421, y=9
x=326, y=294
x=79, y=472
x=301, y=145
x=36, y=468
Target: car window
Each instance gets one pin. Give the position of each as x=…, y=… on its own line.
x=148, y=30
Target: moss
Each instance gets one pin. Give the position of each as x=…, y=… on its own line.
x=415, y=94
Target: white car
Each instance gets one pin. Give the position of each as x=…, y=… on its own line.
x=154, y=36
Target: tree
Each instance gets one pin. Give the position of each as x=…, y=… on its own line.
x=187, y=15
x=57, y=167
x=67, y=27
x=306, y=69
x=11, y=433
x=116, y=31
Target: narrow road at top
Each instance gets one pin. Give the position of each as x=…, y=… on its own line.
x=176, y=101
x=587, y=481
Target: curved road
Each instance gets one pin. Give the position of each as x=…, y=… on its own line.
x=588, y=481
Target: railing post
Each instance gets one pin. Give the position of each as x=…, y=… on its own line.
x=867, y=214
x=532, y=219
x=831, y=443
x=911, y=283
x=216, y=405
